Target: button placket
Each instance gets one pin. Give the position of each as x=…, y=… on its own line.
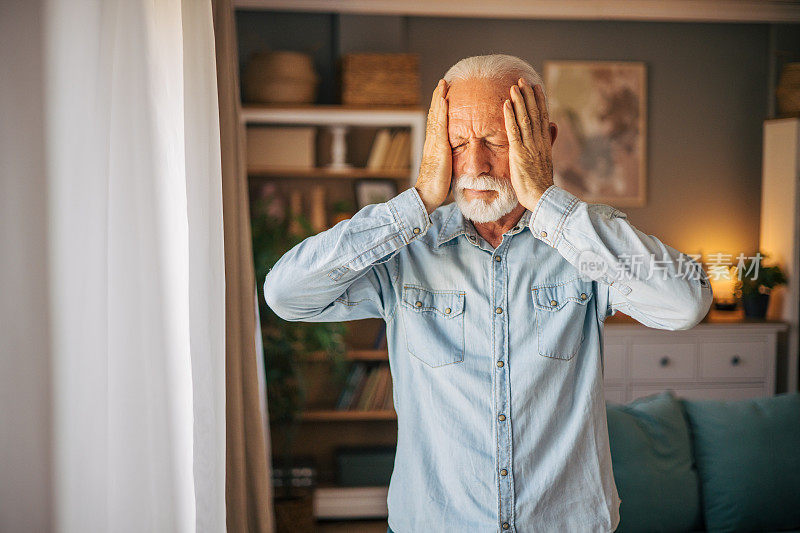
x=505, y=485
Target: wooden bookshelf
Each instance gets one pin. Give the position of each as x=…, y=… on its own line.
x=349, y=130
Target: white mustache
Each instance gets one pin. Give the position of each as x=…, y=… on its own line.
x=481, y=183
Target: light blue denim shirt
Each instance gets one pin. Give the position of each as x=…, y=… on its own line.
x=496, y=354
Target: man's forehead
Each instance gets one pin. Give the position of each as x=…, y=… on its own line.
x=481, y=93
x=477, y=102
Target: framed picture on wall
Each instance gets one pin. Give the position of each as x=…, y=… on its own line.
x=373, y=191
x=600, y=108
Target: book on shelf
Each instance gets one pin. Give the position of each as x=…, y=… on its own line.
x=390, y=150
x=399, y=159
x=368, y=388
x=380, y=146
x=352, y=382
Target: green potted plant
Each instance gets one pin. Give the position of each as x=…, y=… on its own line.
x=287, y=345
x=756, y=286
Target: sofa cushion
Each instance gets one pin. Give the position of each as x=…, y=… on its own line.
x=748, y=458
x=652, y=463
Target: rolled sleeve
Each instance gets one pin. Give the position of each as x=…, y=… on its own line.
x=410, y=214
x=552, y=209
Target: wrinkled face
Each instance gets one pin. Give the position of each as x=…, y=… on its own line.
x=476, y=128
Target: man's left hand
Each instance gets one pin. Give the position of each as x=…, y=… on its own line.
x=530, y=156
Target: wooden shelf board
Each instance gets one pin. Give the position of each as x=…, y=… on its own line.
x=747, y=11
x=335, y=115
x=354, y=355
x=333, y=415
x=330, y=107
x=351, y=173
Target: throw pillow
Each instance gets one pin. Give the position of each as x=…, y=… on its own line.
x=652, y=462
x=748, y=458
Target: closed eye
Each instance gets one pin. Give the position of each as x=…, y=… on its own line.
x=497, y=145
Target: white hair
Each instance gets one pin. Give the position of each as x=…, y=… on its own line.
x=495, y=66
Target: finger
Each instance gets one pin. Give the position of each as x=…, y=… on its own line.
x=437, y=91
x=523, y=119
x=545, y=116
x=434, y=113
x=442, y=133
x=531, y=104
x=512, y=129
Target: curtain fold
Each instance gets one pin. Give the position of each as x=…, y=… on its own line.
x=136, y=267
x=248, y=487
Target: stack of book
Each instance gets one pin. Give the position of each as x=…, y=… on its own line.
x=368, y=388
x=390, y=150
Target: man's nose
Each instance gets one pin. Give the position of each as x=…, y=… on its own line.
x=475, y=159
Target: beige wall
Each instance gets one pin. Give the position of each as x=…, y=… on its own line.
x=707, y=97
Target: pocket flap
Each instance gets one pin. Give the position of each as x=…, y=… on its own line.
x=554, y=296
x=448, y=304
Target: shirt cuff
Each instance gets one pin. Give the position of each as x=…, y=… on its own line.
x=550, y=213
x=410, y=214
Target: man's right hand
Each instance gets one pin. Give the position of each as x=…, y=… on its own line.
x=436, y=168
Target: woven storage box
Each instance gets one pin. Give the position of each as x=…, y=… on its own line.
x=280, y=77
x=380, y=79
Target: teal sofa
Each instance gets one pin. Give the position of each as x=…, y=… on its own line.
x=700, y=465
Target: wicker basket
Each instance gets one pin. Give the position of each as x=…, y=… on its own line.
x=280, y=77
x=788, y=90
x=380, y=79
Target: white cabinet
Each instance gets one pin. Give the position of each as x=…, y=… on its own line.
x=724, y=361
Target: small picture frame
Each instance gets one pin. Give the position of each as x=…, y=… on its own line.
x=374, y=191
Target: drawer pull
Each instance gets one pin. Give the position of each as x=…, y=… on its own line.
x=735, y=360
x=664, y=361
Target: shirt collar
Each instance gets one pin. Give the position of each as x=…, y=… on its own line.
x=456, y=224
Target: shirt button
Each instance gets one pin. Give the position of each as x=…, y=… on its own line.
x=498, y=310
x=543, y=234
x=516, y=228
x=505, y=525
x=501, y=418
x=497, y=258
x=553, y=303
x=583, y=296
x=447, y=311
x=504, y=472
x=499, y=364
x=416, y=230
x=418, y=303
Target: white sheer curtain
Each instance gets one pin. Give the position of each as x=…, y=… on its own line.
x=136, y=266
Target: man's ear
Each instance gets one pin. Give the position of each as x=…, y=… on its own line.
x=553, y=133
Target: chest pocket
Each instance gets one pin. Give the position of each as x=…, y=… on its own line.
x=434, y=324
x=560, y=316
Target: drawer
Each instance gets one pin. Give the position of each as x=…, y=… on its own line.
x=614, y=394
x=734, y=360
x=700, y=392
x=658, y=361
x=614, y=361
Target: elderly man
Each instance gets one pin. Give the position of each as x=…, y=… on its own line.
x=495, y=306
